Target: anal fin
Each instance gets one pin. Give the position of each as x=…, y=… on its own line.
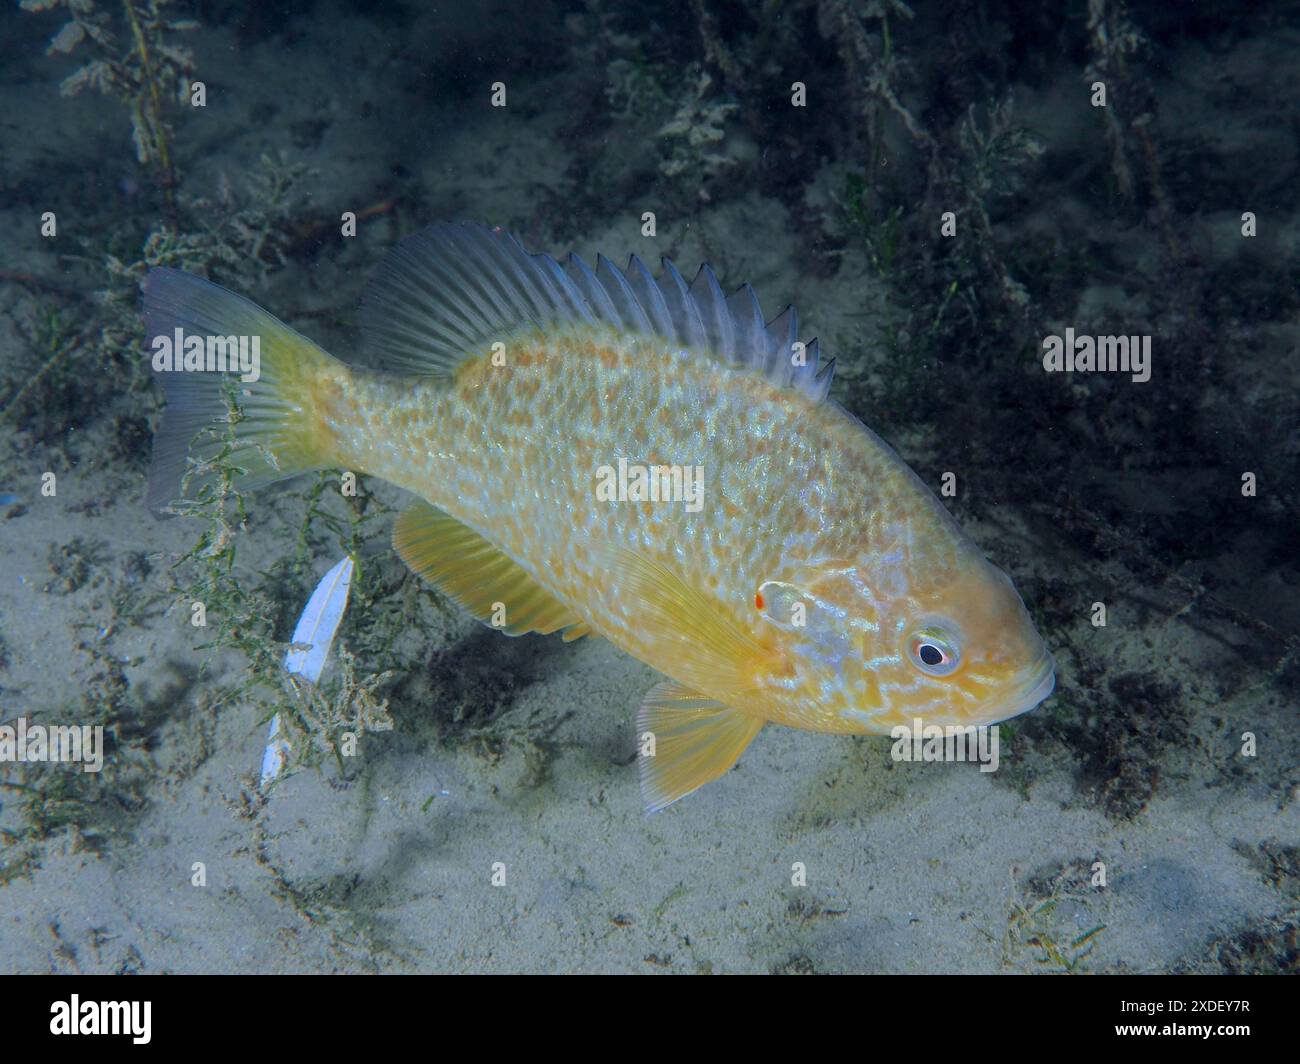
x=695, y=740
x=476, y=575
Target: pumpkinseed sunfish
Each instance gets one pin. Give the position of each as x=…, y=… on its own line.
x=604, y=453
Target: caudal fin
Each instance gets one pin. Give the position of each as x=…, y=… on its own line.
x=278, y=433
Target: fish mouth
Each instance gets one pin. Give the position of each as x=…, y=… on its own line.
x=1039, y=682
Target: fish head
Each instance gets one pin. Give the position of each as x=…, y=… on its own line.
x=869, y=654
x=963, y=652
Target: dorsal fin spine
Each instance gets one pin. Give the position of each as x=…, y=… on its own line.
x=782, y=333
x=650, y=297
x=591, y=290
x=750, y=335
x=632, y=316
x=718, y=325
x=682, y=308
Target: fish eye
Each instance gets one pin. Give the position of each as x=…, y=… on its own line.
x=933, y=651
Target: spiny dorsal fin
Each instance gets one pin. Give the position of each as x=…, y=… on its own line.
x=467, y=568
x=449, y=292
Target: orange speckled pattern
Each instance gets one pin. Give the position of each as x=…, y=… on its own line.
x=794, y=491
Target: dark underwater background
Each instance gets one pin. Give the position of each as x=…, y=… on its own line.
x=490, y=818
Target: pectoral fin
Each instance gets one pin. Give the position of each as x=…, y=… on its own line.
x=707, y=649
x=694, y=741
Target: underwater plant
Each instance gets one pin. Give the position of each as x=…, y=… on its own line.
x=149, y=73
x=242, y=615
x=690, y=138
x=240, y=233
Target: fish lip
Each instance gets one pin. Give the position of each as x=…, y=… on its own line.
x=1040, y=685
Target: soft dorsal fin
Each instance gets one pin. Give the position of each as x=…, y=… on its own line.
x=445, y=294
x=467, y=568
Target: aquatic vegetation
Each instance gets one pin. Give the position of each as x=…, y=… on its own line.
x=48, y=393
x=92, y=807
x=239, y=234
x=1278, y=864
x=313, y=638
x=330, y=719
x=352, y=708
x=1266, y=946
x=1039, y=929
x=693, y=134
x=73, y=564
x=240, y=613
x=994, y=154
x=1131, y=122
x=874, y=69
x=1114, y=45
x=679, y=114
x=637, y=89
x=1123, y=730
x=150, y=73
x=1034, y=929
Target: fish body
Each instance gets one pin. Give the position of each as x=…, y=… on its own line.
x=603, y=453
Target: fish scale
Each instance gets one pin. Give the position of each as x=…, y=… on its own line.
x=820, y=585
x=537, y=420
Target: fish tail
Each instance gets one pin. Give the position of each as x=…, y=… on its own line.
x=257, y=365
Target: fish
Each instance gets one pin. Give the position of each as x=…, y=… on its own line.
x=548, y=419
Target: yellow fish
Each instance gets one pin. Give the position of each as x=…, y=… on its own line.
x=601, y=452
